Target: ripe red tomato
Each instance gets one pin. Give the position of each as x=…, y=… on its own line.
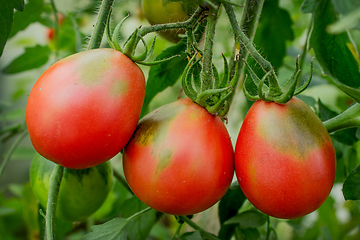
x=180, y=159
x=164, y=11
x=285, y=161
x=83, y=109
x=81, y=193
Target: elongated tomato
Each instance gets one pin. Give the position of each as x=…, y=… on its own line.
x=285, y=161
x=180, y=159
x=84, y=108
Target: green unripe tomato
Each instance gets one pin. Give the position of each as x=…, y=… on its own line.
x=167, y=11
x=82, y=191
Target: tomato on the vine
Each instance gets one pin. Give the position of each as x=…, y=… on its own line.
x=165, y=11
x=180, y=159
x=81, y=193
x=84, y=108
x=285, y=160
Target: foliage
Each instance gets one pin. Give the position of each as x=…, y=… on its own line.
x=325, y=29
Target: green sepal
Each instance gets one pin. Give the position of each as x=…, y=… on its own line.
x=203, y=96
x=116, y=33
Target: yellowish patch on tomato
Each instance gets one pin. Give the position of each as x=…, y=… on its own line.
x=118, y=88
x=92, y=66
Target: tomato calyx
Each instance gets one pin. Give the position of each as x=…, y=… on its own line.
x=269, y=89
x=131, y=43
x=216, y=100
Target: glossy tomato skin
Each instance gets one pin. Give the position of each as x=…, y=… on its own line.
x=165, y=11
x=84, y=108
x=180, y=159
x=285, y=161
x=81, y=193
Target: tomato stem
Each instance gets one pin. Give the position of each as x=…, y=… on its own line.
x=56, y=28
x=54, y=186
x=122, y=180
x=249, y=22
x=207, y=68
x=99, y=28
x=138, y=214
x=347, y=119
x=204, y=233
x=11, y=151
x=190, y=23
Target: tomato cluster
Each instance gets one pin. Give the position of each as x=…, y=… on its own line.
x=179, y=158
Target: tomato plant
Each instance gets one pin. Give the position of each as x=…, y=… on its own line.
x=180, y=159
x=108, y=89
x=82, y=191
x=165, y=11
x=284, y=159
x=84, y=108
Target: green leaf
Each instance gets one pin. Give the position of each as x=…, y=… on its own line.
x=248, y=219
x=6, y=21
x=308, y=6
x=109, y=230
x=191, y=236
x=273, y=31
x=228, y=207
x=32, y=13
x=19, y=5
x=335, y=53
x=33, y=57
x=165, y=74
x=140, y=227
x=345, y=7
x=351, y=187
x=250, y=233
x=6, y=211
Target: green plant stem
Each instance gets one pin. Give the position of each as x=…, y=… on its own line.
x=268, y=231
x=56, y=28
x=11, y=151
x=207, y=81
x=122, y=180
x=196, y=227
x=247, y=43
x=176, y=235
x=190, y=23
x=138, y=213
x=249, y=22
x=54, y=186
x=347, y=119
x=100, y=25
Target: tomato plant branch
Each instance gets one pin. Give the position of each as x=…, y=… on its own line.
x=56, y=28
x=206, y=72
x=11, y=151
x=138, y=213
x=122, y=180
x=249, y=22
x=190, y=23
x=54, y=186
x=347, y=119
x=204, y=233
x=100, y=25
x=247, y=43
